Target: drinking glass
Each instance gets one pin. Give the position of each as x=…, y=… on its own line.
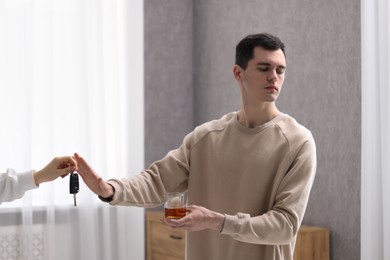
x=175, y=205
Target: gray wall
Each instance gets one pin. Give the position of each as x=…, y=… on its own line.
x=189, y=54
x=168, y=75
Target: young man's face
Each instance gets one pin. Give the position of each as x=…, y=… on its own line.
x=263, y=78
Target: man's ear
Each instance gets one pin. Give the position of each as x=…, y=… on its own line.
x=237, y=72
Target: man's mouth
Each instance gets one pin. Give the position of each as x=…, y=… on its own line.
x=272, y=88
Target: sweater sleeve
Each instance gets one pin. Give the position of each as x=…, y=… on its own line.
x=148, y=188
x=280, y=224
x=13, y=185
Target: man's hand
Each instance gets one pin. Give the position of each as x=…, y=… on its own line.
x=94, y=182
x=198, y=218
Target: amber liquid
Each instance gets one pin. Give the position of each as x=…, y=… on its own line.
x=175, y=212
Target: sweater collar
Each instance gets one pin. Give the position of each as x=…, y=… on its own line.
x=256, y=129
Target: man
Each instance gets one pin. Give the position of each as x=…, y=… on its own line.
x=13, y=185
x=248, y=174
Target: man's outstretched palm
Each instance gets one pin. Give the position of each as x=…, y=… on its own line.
x=94, y=182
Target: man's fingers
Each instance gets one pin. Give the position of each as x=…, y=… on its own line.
x=83, y=166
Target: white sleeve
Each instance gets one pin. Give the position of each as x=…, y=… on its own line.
x=13, y=185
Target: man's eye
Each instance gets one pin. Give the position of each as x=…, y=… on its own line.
x=263, y=68
x=280, y=71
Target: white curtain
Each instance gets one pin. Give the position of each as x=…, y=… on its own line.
x=375, y=194
x=71, y=80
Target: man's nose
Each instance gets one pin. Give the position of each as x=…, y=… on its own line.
x=272, y=76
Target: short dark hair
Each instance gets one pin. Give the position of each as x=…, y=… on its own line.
x=244, y=49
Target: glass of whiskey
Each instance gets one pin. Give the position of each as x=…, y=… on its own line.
x=175, y=205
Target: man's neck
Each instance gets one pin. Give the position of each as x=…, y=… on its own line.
x=252, y=117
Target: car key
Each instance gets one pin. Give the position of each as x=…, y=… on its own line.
x=74, y=186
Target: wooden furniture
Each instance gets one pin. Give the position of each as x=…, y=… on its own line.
x=312, y=243
x=164, y=243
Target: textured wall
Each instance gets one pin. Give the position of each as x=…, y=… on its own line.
x=322, y=87
x=168, y=75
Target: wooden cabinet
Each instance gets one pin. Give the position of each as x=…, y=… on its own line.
x=312, y=243
x=164, y=243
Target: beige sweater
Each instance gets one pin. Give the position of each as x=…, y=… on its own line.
x=259, y=177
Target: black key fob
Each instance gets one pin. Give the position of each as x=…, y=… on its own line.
x=74, y=183
x=74, y=186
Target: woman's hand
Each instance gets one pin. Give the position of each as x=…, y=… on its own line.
x=59, y=166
